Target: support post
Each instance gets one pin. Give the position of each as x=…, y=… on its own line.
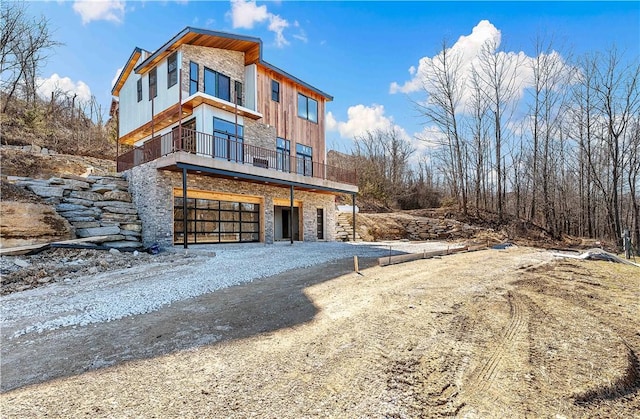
x=626, y=237
x=184, y=206
x=291, y=215
x=353, y=203
x=117, y=137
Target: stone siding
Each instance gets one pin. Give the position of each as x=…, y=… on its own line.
x=259, y=134
x=227, y=62
x=152, y=192
x=153, y=196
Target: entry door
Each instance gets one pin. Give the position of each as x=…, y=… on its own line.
x=320, y=223
x=285, y=224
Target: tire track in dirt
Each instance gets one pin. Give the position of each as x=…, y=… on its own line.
x=483, y=377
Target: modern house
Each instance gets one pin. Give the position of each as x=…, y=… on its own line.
x=226, y=147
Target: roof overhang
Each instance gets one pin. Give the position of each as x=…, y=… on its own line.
x=250, y=46
x=126, y=70
x=171, y=115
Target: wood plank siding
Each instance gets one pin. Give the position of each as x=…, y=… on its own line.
x=283, y=115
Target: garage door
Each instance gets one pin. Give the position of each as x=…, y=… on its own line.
x=215, y=221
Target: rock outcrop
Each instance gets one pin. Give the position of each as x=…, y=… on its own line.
x=93, y=206
x=26, y=223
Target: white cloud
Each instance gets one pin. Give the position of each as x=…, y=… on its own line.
x=301, y=35
x=109, y=10
x=64, y=85
x=278, y=25
x=360, y=119
x=246, y=14
x=115, y=78
x=467, y=50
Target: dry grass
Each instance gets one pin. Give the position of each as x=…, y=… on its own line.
x=486, y=334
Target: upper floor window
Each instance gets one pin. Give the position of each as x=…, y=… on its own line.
x=275, y=91
x=153, y=83
x=307, y=108
x=193, y=78
x=238, y=90
x=283, y=152
x=216, y=84
x=172, y=70
x=139, y=89
x=304, y=155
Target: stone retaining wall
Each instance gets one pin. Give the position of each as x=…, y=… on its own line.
x=94, y=206
x=31, y=148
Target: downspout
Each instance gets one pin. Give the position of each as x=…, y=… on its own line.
x=179, y=111
x=291, y=216
x=353, y=202
x=117, y=138
x=184, y=206
x=153, y=127
x=235, y=102
x=285, y=140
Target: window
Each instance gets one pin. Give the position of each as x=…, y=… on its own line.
x=172, y=70
x=304, y=155
x=139, y=88
x=275, y=91
x=307, y=108
x=216, y=84
x=193, y=78
x=153, y=83
x=238, y=90
x=283, y=150
x=213, y=221
x=226, y=144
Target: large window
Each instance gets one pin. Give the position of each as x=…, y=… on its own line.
x=307, y=108
x=275, y=91
x=172, y=70
x=211, y=221
x=216, y=84
x=193, y=78
x=304, y=155
x=283, y=148
x=139, y=89
x=153, y=83
x=228, y=145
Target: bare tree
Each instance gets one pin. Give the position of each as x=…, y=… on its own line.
x=497, y=71
x=382, y=163
x=618, y=93
x=24, y=45
x=444, y=85
x=550, y=80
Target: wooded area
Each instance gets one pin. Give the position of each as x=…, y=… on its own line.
x=563, y=153
x=62, y=121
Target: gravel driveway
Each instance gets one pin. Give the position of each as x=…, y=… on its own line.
x=146, y=288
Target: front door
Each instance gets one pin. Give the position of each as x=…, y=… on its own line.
x=285, y=224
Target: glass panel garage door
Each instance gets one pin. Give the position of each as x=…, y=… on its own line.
x=210, y=221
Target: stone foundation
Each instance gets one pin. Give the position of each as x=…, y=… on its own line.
x=152, y=192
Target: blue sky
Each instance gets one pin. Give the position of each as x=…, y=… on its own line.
x=354, y=51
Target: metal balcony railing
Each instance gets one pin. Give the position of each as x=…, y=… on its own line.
x=231, y=150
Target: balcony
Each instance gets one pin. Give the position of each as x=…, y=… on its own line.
x=244, y=158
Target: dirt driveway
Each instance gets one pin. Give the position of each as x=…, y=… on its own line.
x=510, y=333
